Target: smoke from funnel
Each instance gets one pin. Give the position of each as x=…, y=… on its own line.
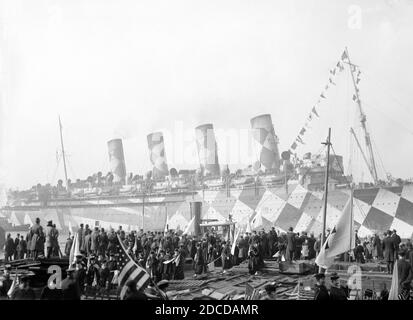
x=117, y=160
x=267, y=142
x=207, y=149
x=157, y=155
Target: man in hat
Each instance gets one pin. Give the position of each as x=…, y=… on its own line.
x=80, y=271
x=68, y=246
x=321, y=292
x=16, y=245
x=9, y=248
x=55, y=242
x=388, y=249
x=49, y=238
x=24, y=291
x=132, y=292
x=94, y=244
x=404, y=270
x=396, y=240
x=291, y=245
x=5, y=281
x=337, y=292
x=70, y=286
x=37, y=239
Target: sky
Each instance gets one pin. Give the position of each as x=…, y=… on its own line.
x=124, y=69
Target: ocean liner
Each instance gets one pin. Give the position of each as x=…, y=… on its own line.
x=281, y=190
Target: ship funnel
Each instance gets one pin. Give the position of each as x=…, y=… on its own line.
x=157, y=155
x=207, y=149
x=266, y=142
x=117, y=160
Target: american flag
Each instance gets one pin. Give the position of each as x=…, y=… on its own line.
x=129, y=269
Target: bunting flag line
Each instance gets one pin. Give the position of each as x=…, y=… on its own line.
x=333, y=73
x=315, y=111
x=344, y=56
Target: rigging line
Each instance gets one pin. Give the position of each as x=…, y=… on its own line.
x=388, y=117
x=364, y=215
x=380, y=158
x=380, y=84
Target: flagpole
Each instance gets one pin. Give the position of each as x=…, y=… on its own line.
x=328, y=144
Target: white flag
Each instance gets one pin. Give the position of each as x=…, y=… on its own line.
x=341, y=239
x=74, y=250
x=234, y=243
x=190, y=228
x=12, y=287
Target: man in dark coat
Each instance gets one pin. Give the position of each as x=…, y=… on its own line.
x=24, y=291
x=291, y=245
x=68, y=246
x=80, y=234
x=16, y=245
x=404, y=271
x=321, y=292
x=337, y=292
x=396, y=240
x=37, y=239
x=311, y=242
x=70, y=286
x=94, y=244
x=132, y=292
x=199, y=260
x=5, y=281
x=49, y=239
x=21, y=248
x=388, y=249
x=103, y=242
x=9, y=248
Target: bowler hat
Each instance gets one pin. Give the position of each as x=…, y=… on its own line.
x=334, y=276
x=50, y=223
x=319, y=276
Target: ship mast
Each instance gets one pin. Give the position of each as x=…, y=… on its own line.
x=328, y=144
x=63, y=153
x=363, y=119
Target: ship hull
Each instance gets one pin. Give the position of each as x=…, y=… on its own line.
x=375, y=210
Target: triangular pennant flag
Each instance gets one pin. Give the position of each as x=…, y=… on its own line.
x=333, y=71
x=315, y=111
x=322, y=95
x=302, y=131
x=331, y=81
x=294, y=146
x=300, y=140
x=344, y=56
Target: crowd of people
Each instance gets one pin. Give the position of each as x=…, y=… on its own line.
x=164, y=254
x=37, y=243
